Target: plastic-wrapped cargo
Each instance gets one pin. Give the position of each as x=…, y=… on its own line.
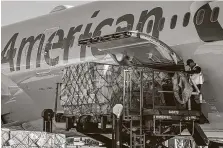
x=183, y=143
x=90, y=88
x=5, y=137
x=94, y=88
x=34, y=139
x=181, y=83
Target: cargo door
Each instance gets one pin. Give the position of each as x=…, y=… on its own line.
x=138, y=49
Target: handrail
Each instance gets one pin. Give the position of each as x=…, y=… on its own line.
x=166, y=91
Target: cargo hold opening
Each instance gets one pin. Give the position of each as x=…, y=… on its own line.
x=133, y=48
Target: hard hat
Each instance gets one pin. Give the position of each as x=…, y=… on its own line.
x=189, y=61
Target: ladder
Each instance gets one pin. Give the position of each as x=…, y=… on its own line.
x=137, y=137
x=127, y=92
x=139, y=141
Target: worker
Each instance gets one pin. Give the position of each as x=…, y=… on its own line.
x=126, y=60
x=195, y=74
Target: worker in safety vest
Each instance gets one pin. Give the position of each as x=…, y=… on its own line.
x=195, y=74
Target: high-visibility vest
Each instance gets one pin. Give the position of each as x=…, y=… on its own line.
x=197, y=78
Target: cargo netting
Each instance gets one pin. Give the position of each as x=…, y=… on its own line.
x=94, y=88
x=35, y=139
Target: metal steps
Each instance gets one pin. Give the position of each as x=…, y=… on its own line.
x=138, y=141
x=199, y=136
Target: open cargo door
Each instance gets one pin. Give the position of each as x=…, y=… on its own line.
x=137, y=49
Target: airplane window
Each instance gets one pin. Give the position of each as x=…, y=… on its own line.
x=186, y=19
x=214, y=14
x=149, y=26
x=200, y=16
x=161, y=24
x=173, y=22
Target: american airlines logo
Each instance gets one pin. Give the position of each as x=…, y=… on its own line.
x=66, y=42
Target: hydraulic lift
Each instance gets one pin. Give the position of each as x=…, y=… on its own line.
x=149, y=126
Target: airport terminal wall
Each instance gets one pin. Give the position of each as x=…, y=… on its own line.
x=94, y=88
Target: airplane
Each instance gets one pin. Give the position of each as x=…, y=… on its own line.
x=35, y=51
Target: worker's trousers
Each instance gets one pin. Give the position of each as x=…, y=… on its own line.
x=198, y=86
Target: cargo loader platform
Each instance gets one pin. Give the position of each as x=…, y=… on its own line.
x=143, y=82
